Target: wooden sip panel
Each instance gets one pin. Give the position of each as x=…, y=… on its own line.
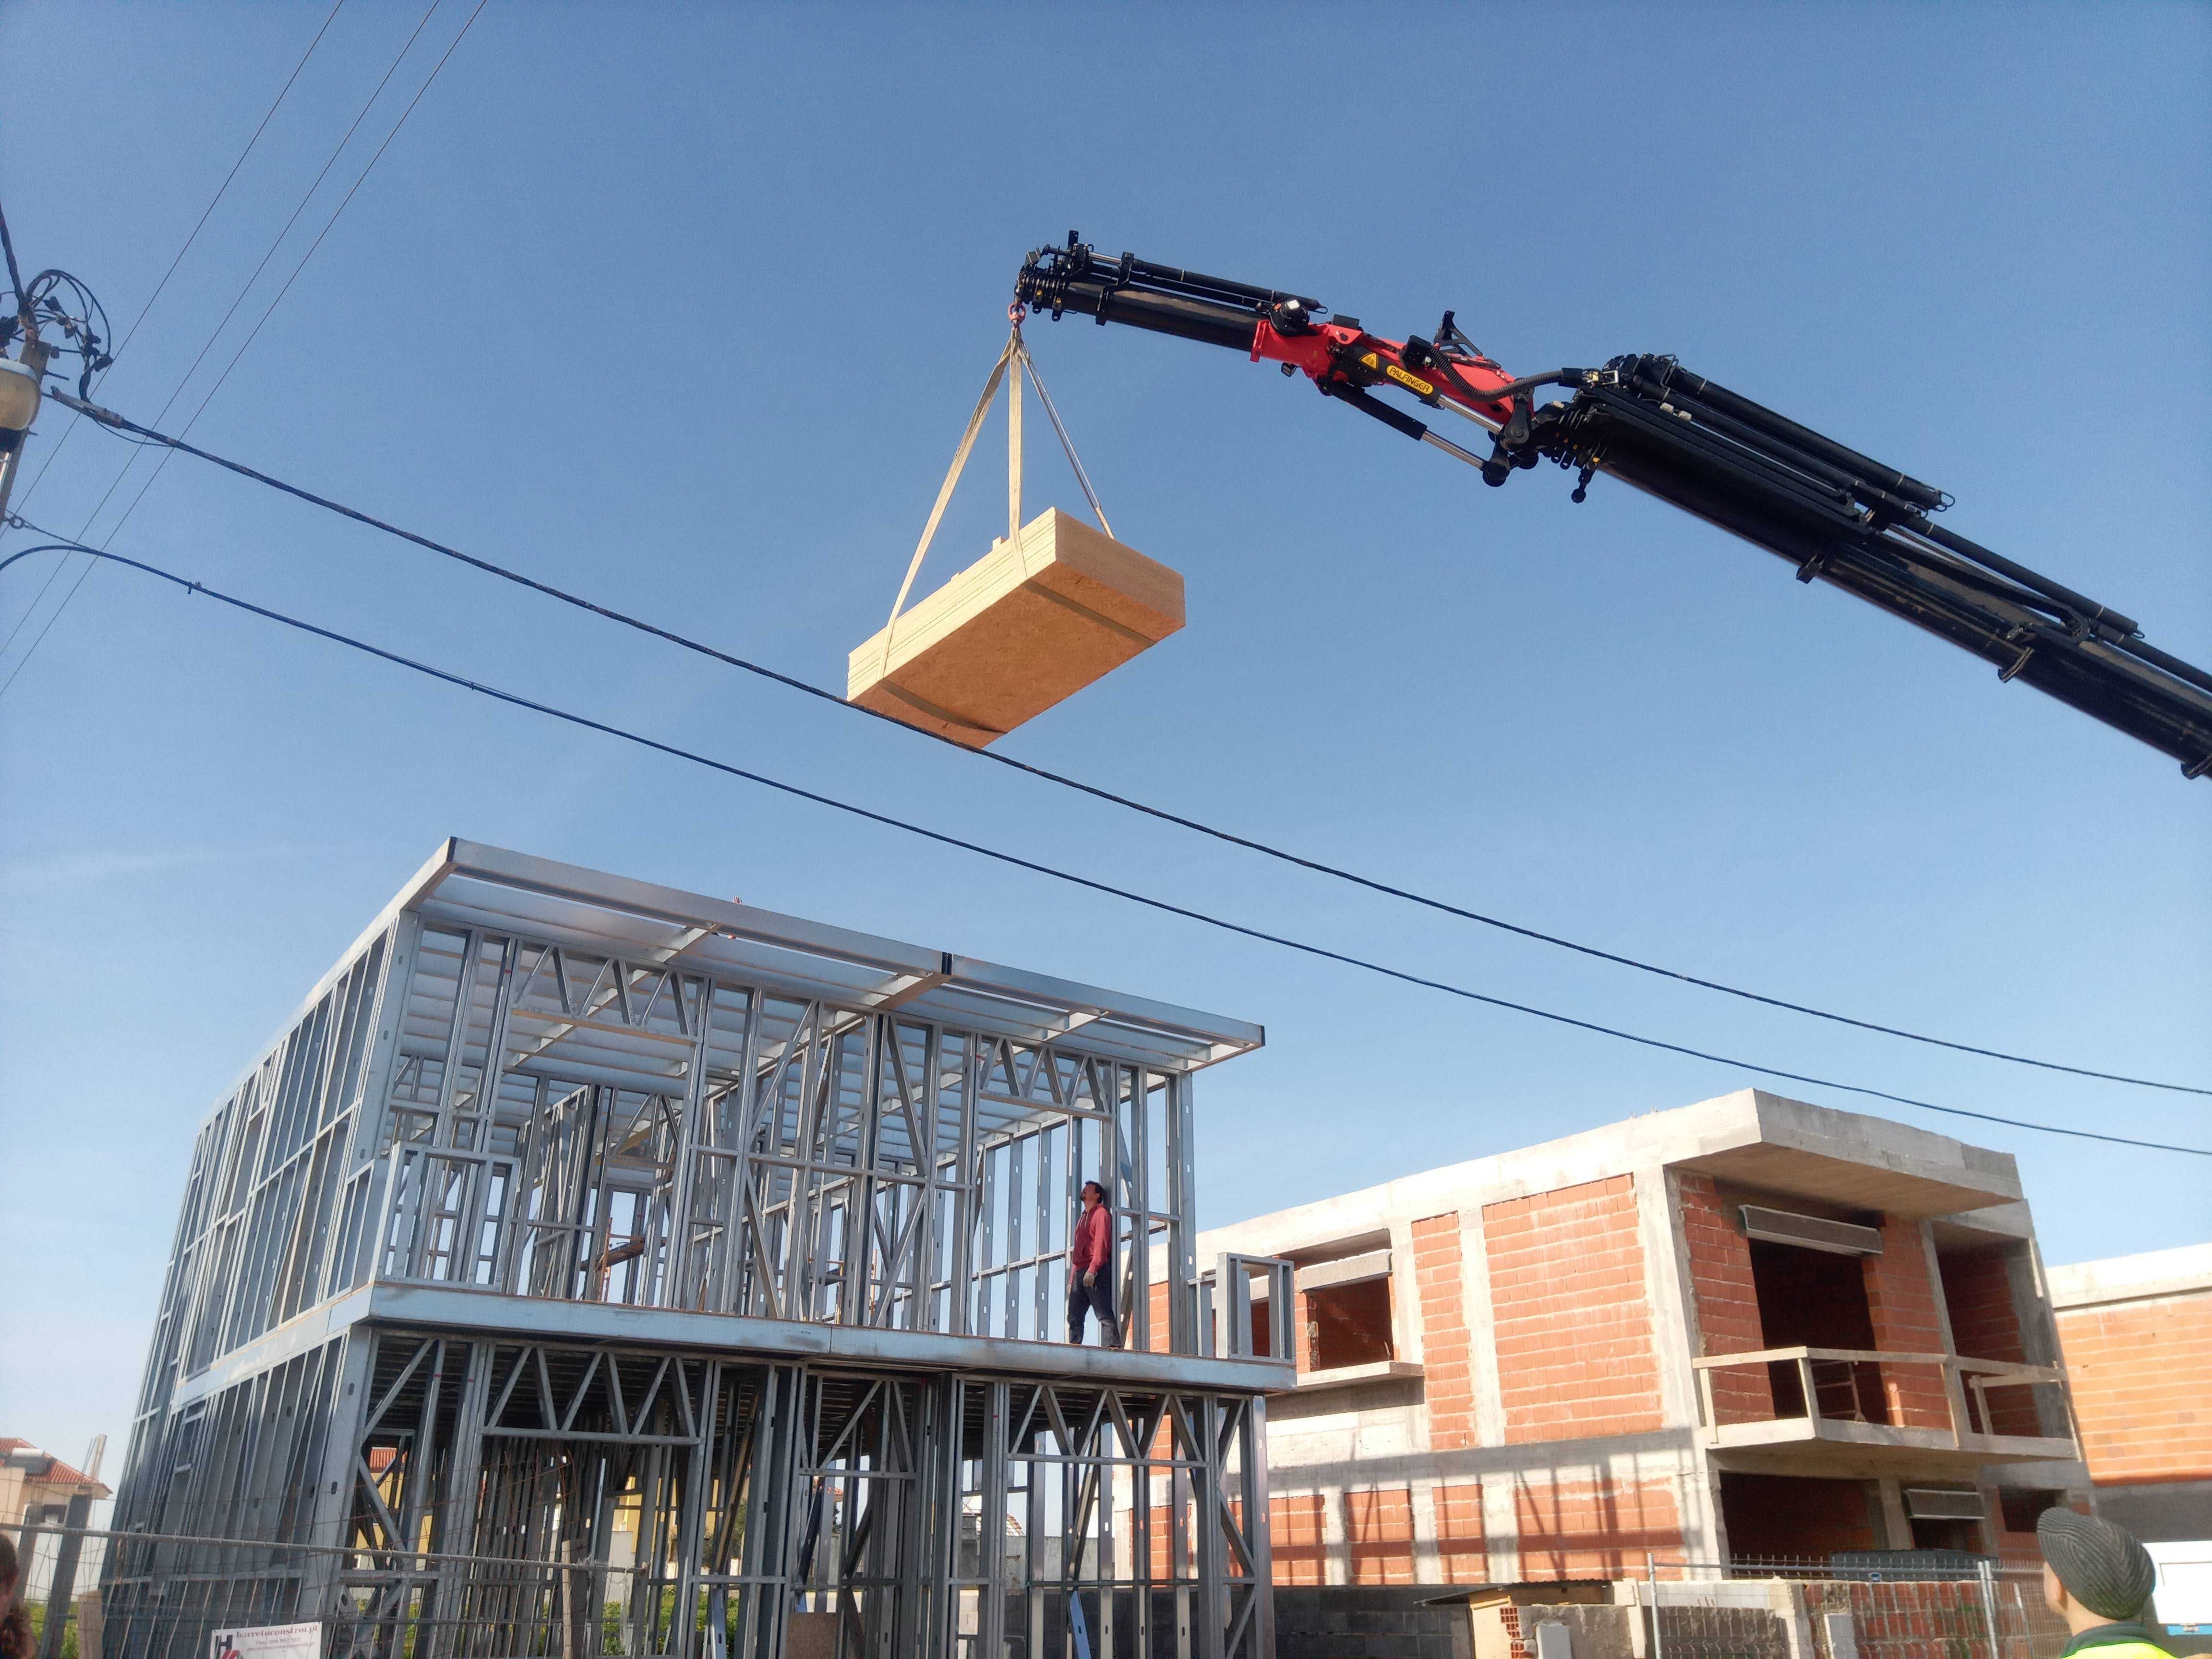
x=1017, y=631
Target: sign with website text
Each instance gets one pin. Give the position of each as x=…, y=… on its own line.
x=268, y=1641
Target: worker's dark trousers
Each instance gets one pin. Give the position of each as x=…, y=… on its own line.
x=1081, y=1302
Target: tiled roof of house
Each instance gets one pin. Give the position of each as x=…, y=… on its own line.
x=54, y=1472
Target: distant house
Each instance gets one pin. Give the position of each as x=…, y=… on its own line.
x=36, y=1487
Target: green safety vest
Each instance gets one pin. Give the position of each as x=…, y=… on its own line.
x=2115, y=1641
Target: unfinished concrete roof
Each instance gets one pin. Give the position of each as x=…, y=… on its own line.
x=1850, y=1158
x=2182, y=1272
x=1750, y=1136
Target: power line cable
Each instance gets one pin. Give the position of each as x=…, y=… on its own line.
x=328, y=224
x=1015, y=859
x=131, y=334
x=125, y=428
x=31, y=650
x=185, y=379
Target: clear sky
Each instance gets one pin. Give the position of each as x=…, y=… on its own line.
x=684, y=307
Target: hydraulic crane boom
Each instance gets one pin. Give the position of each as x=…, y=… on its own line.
x=1837, y=515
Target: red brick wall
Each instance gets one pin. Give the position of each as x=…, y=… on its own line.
x=1446, y=1355
x=1460, y=1553
x=1727, y=1300
x=1379, y=1528
x=1978, y=1295
x=1571, y=1322
x=1294, y=1537
x=1985, y=1325
x=2138, y=1372
x=1159, y=1341
x=1594, y=1528
x=1163, y=1564
x=1902, y=1305
x=1793, y=1517
x=2014, y=1549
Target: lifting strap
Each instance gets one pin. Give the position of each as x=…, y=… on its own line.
x=1016, y=355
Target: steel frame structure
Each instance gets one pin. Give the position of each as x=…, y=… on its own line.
x=582, y=1228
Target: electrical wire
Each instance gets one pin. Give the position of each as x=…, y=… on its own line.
x=31, y=650
x=129, y=334
x=125, y=430
x=185, y=379
x=1015, y=859
x=328, y=224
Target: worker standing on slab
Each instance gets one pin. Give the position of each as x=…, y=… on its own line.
x=1089, y=1269
x=2099, y=1579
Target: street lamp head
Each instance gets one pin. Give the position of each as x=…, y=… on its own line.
x=19, y=401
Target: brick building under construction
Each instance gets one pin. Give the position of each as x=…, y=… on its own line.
x=1749, y=1331
x=575, y=1219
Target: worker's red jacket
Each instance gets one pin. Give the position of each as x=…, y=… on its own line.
x=1092, y=1247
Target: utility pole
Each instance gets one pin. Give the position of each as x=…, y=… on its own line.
x=58, y=297
x=18, y=406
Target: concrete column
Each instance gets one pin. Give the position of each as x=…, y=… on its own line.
x=1667, y=1292
x=1501, y=1529
x=1711, y=1542
x=1935, y=1289
x=1676, y=1340
x=1335, y=1538
x=2038, y=1333
x=1896, y=1524
x=1428, y=1560
x=1482, y=1331
x=1407, y=1336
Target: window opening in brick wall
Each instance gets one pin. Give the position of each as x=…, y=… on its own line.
x=1947, y=1535
x=2022, y=1507
x=1817, y=1299
x=1348, y=1325
x=1797, y=1518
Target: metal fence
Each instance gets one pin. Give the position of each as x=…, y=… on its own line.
x=102, y=1595
x=1906, y=1605
x=96, y=1594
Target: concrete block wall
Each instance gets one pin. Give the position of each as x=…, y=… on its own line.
x=1368, y=1622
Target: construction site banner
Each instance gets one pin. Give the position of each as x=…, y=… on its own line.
x=268, y=1641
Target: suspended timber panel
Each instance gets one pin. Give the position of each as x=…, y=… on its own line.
x=1017, y=631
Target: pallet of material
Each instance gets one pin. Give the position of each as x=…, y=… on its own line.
x=1023, y=628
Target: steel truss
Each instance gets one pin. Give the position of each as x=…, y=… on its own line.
x=699, y=1505
x=543, y=1095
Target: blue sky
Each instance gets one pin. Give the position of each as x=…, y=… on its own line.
x=685, y=306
